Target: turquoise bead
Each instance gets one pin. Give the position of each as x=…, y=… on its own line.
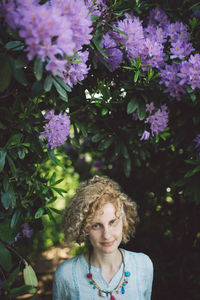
x=122, y=290
x=127, y=274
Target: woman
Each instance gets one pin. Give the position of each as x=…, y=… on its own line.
x=102, y=215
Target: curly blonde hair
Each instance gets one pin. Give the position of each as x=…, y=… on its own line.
x=90, y=197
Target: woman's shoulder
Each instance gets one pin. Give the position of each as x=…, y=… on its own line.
x=142, y=259
x=65, y=267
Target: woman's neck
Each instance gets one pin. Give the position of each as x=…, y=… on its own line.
x=109, y=263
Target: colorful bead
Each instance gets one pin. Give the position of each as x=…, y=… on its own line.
x=112, y=297
x=89, y=275
x=122, y=290
x=103, y=294
x=127, y=274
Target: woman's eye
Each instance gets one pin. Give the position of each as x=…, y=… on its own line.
x=113, y=222
x=95, y=226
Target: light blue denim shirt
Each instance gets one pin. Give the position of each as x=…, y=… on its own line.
x=71, y=282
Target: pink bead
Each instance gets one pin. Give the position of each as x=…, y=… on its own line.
x=112, y=297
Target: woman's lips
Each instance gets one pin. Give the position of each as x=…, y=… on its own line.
x=107, y=244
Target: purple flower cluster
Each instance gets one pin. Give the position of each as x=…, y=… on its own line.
x=75, y=72
x=53, y=31
x=26, y=232
x=197, y=142
x=149, y=43
x=97, y=8
x=158, y=120
x=133, y=41
x=115, y=56
x=56, y=130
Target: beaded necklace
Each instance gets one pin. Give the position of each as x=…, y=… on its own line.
x=120, y=286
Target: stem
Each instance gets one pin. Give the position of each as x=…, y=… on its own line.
x=14, y=251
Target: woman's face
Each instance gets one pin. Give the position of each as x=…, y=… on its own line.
x=105, y=233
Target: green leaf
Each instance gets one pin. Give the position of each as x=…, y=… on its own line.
x=15, y=218
x=117, y=30
x=136, y=75
x=2, y=159
x=21, y=153
x=59, y=191
x=6, y=200
x=51, y=217
x=63, y=84
x=56, y=210
x=104, y=111
x=20, y=76
x=5, y=258
x=132, y=105
x=22, y=290
x=81, y=126
x=55, y=160
x=14, y=140
x=105, y=143
x=97, y=43
x=37, y=88
x=58, y=181
x=48, y=83
x=5, y=73
x=124, y=151
x=39, y=212
x=127, y=167
x=193, y=97
x=30, y=276
x=60, y=90
x=14, y=44
x=192, y=172
x=53, y=178
x=6, y=234
x=11, y=279
x=141, y=110
x=12, y=196
x=97, y=137
x=12, y=166
x=38, y=68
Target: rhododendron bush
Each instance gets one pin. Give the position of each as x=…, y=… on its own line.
x=117, y=79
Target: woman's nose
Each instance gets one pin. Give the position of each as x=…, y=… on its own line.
x=106, y=232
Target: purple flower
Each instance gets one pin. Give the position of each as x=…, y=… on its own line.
x=150, y=107
x=177, y=31
x=171, y=81
x=158, y=121
x=158, y=17
x=145, y=136
x=115, y=56
x=194, y=71
x=77, y=13
x=197, y=141
x=26, y=231
x=56, y=130
x=53, y=31
x=97, y=8
x=180, y=49
x=134, y=42
x=155, y=52
x=18, y=236
x=75, y=72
